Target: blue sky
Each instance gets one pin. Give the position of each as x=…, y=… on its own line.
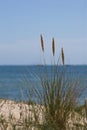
x=22, y=22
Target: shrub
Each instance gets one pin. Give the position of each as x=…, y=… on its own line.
x=58, y=94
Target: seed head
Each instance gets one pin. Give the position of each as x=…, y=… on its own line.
x=42, y=42
x=53, y=46
x=62, y=53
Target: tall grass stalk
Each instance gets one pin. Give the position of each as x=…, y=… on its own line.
x=59, y=95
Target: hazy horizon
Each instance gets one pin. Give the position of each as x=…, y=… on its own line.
x=22, y=22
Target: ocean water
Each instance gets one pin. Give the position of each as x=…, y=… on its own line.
x=15, y=79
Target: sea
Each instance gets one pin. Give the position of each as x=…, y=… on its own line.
x=15, y=79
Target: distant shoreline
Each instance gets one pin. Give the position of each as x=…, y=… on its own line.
x=40, y=65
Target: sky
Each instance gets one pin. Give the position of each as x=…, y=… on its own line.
x=22, y=22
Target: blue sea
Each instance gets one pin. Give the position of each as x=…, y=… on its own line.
x=14, y=79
